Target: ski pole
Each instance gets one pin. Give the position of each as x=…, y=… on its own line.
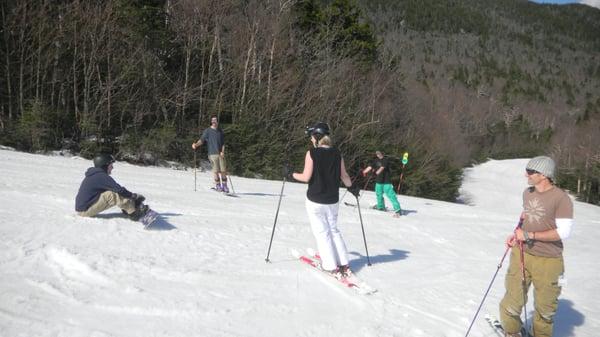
x=488, y=290
x=363, y=231
x=491, y=283
x=364, y=188
x=343, y=195
x=401, y=178
x=404, y=162
x=231, y=183
x=367, y=183
x=523, y=281
x=275, y=222
x=194, y=170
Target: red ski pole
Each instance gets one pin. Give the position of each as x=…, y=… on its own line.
x=404, y=162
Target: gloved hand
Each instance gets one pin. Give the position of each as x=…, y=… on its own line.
x=288, y=172
x=138, y=199
x=354, y=189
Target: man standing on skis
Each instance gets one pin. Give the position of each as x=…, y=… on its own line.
x=215, y=140
x=536, y=256
x=98, y=192
x=383, y=183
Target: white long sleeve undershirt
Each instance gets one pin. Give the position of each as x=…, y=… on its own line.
x=563, y=228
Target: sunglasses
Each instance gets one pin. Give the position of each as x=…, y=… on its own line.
x=531, y=172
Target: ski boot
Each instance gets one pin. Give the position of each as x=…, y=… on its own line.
x=378, y=209
x=224, y=187
x=345, y=270
x=218, y=187
x=138, y=199
x=337, y=273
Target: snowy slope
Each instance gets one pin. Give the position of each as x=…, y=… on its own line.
x=201, y=271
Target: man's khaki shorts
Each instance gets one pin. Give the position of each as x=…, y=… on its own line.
x=218, y=163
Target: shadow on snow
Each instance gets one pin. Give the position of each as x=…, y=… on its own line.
x=567, y=318
x=361, y=261
x=160, y=224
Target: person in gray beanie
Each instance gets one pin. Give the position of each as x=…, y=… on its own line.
x=536, y=254
x=544, y=165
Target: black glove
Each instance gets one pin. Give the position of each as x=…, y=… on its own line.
x=288, y=172
x=354, y=189
x=138, y=199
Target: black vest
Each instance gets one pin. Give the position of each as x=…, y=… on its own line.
x=324, y=184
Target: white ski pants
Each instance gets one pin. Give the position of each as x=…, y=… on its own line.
x=330, y=244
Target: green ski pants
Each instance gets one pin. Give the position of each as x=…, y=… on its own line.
x=388, y=189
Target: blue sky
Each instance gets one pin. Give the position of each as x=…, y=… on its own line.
x=556, y=1
x=593, y=3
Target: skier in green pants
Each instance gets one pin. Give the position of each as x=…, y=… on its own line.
x=383, y=183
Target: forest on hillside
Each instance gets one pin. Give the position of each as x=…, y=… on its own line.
x=450, y=82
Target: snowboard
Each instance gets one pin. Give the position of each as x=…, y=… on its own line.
x=148, y=219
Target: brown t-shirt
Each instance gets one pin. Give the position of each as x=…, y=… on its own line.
x=541, y=209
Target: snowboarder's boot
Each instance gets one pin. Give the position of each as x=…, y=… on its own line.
x=139, y=200
x=139, y=212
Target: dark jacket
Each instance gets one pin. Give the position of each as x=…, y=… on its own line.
x=96, y=182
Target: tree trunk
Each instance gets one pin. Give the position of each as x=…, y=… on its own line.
x=188, y=57
x=109, y=85
x=251, y=47
x=38, y=65
x=270, y=72
x=21, y=72
x=8, y=68
x=74, y=69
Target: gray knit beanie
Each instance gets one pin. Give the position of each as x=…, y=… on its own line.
x=544, y=165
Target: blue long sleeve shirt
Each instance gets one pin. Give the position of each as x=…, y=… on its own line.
x=96, y=182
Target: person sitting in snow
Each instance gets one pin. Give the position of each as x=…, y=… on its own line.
x=99, y=192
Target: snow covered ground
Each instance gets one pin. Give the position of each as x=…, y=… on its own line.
x=201, y=270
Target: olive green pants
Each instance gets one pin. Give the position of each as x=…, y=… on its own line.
x=543, y=273
x=107, y=200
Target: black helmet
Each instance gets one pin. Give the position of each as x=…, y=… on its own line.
x=103, y=160
x=319, y=128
